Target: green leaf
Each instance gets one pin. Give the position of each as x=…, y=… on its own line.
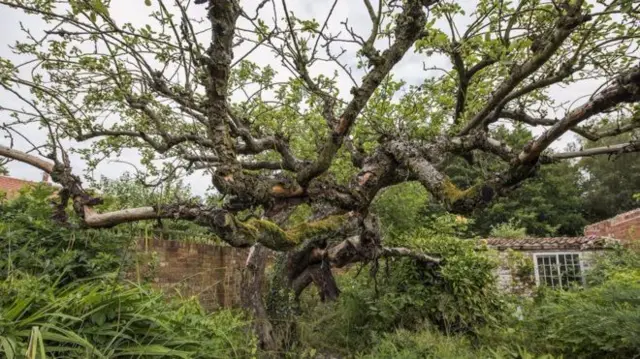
x=100, y=8
x=8, y=347
x=153, y=350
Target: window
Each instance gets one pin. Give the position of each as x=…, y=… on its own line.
x=558, y=270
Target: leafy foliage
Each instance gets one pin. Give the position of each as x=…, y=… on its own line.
x=602, y=321
x=605, y=266
x=63, y=296
x=100, y=318
x=459, y=298
x=546, y=205
x=611, y=181
x=401, y=208
x=431, y=344
x=33, y=244
x=508, y=230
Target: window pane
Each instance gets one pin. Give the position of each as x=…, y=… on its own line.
x=553, y=270
x=559, y=270
x=570, y=274
x=547, y=270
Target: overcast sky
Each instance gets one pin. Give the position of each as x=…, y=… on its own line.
x=134, y=11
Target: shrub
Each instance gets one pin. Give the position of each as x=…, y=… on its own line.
x=606, y=265
x=34, y=244
x=600, y=321
x=432, y=344
x=460, y=297
x=508, y=230
x=100, y=318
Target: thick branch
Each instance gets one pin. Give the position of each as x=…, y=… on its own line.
x=626, y=89
x=409, y=27
x=563, y=27
x=23, y=157
x=352, y=250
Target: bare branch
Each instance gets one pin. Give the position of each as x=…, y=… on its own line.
x=626, y=89
x=408, y=29
x=563, y=27
x=23, y=157
x=632, y=146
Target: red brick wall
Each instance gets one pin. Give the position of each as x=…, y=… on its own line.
x=625, y=226
x=211, y=272
x=11, y=186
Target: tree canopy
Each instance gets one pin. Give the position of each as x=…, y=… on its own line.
x=188, y=93
x=610, y=182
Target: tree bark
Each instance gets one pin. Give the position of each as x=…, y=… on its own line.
x=251, y=296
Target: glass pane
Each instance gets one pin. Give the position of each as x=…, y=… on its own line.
x=547, y=270
x=570, y=273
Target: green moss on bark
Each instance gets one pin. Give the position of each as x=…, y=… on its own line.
x=308, y=230
x=272, y=236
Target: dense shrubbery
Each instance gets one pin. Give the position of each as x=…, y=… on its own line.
x=460, y=298
x=61, y=295
x=432, y=344
x=458, y=313
x=100, y=318
x=602, y=321
x=33, y=244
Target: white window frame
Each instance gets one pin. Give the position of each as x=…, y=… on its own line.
x=581, y=263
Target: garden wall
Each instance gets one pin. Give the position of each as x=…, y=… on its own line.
x=625, y=226
x=210, y=272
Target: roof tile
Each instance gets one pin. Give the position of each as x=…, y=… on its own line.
x=547, y=243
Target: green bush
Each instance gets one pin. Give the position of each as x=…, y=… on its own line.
x=606, y=265
x=508, y=230
x=601, y=321
x=432, y=344
x=32, y=243
x=460, y=297
x=100, y=318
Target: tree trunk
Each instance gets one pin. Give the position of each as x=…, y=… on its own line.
x=292, y=274
x=251, y=296
x=320, y=275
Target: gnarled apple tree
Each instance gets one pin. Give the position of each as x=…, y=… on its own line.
x=323, y=111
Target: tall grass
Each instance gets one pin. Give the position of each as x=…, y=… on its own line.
x=100, y=318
